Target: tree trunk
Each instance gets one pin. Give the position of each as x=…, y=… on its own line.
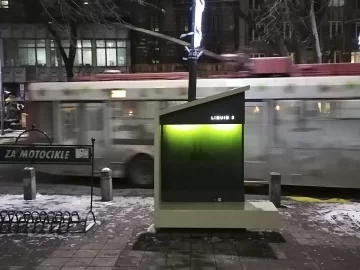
x=299, y=46
x=69, y=64
x=68, y=59
x=280, y=46
x=298, y=51
x=316, y=34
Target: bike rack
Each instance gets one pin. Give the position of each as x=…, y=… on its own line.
x=41, y=222
x=44, y=222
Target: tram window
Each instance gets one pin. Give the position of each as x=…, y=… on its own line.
x=347, y=109
x=134, y=109
x=44, y=121
x=318, y=109
x=253, y=114
x=306, y=109
x=95, y=119
x=69, y=124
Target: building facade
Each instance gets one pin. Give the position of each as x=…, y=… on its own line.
x=28, y=52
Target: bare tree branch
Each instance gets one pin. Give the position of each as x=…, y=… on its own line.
x=315, y=33
x=289, y=23
x=64, y=16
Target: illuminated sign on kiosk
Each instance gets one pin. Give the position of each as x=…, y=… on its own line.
x=222, y=117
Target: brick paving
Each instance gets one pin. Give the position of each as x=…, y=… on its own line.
x=121, y=242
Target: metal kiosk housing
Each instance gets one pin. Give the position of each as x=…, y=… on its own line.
x=199, y=167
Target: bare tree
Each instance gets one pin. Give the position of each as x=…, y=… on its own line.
x=65, y=16
x=315, y=33
x=301, y=19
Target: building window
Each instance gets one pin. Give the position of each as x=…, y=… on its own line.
x=31, y=52
x=254, y=5
x=286, y=30
x=4, y=4
x=110, y=53
x=154, y=50
x=10, y=52
x=55, y=56
x=336, y=58
x=184, y=23
x=355, y=57
x=357, y=29
x=154, y=23
x=336, y=3
x=83, y=53
x=335, y=28
x=256, y=35
x=214, y=23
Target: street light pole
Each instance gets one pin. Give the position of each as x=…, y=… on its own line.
x=197, y=10
x=2, y=111
x=192, y=74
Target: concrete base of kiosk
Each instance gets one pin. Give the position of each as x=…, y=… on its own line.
x=247, y=215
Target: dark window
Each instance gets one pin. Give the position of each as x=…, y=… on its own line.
x=154, y=23
x=254, y=4
x=154, y=51
x=214, y=23
x=184, y=23
x=335, y=28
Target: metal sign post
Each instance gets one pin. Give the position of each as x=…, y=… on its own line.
x=2, y=101
x=39, y=222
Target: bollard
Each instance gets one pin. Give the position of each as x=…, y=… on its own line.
x=29, y=183
x=275, y=188
x=106, y=185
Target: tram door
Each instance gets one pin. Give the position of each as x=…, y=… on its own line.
x=255, y=141
x=69, y=123
x=96, y=127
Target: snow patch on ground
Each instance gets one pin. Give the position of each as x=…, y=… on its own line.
x=72, y=203
x=151, y=229
x=123, y=208
x=342, y=219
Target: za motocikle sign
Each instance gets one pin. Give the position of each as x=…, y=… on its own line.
x=52, y=154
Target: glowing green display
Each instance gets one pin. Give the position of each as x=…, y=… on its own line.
x=202, y=141
x=201, y=157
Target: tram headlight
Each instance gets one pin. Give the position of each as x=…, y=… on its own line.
x=277, y=108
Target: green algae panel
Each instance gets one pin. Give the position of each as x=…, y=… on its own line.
x=202, y=163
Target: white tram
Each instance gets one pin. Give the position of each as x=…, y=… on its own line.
x=306, y=128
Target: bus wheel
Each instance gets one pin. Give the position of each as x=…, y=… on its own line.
x=141, y=171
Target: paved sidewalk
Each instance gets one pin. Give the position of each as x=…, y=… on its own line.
x=314, y=236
